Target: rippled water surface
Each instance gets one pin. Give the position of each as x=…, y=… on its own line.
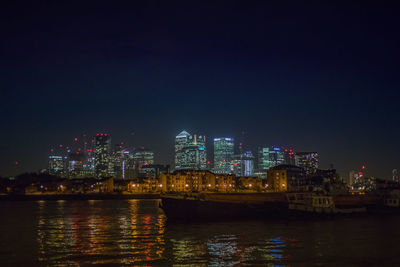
x=136, y=232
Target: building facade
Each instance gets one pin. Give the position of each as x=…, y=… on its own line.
x=223, y=155
x=269, y=157
x=243, y=164
x=308, y=161
x=282, y=178
x=56, y=165
x=102, y=154
x=196, y=181
x=190, y=152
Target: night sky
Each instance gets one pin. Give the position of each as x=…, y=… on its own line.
x=319, y=76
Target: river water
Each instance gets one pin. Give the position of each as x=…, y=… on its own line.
x=136, y=232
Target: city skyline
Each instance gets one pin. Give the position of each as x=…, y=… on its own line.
x=318, y=77
x=82, y=143
x=199, y=133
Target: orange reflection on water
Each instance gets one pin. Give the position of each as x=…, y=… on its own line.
x=102, y=232
x=147, y=235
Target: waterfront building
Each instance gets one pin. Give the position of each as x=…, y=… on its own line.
x=282, y=178
x=190, y=152
x=196, y=181
x=102, y=154
x=250, y=183
x=223, y=155
x=308, y=161
x=225, y=182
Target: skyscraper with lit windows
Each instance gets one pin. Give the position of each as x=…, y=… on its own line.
x=308, y=161
x=243, y=164
x=102, y=154
x=190, y=151
x=223, y=155
x=142, y=157
x=269, y=157
x=56, y=165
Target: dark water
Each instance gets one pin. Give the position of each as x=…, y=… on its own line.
x=135, y=232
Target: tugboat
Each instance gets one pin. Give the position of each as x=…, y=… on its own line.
x=319, y=204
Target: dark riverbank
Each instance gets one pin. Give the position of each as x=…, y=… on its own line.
x=77, y=197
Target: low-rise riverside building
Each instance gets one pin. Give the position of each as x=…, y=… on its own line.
x=249, y=183
x=225, y=182
x=284, y=178
x=205, y=181
x=187, y=181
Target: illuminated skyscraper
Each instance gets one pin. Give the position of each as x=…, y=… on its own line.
x=223, y=155
x=201, y=153
x=308, y=161
x=190, y=151
x=269, y=157
x=102, y=154
x=248, y=163
x=76, y=164
x=142, y=157
x=56, y=165
x=243, y=164
x=120, y=161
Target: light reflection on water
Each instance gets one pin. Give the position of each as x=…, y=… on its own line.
x=136, y=232
x=100, y=232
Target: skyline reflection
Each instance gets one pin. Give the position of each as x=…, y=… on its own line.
x=136, y=232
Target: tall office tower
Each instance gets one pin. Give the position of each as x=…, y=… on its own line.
x=120, y=161
x=269, y=157
x=395, y=176
x=248, y=163
x=223, y=155
x=308, y=161
x=243, y=164
x=181, y=141
x=201, y=152
x=190, y=152
x=76, y=164
x=102, y=154
x=142, y=157
x=56, y=165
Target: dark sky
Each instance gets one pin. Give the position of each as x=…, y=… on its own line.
x=317, y=76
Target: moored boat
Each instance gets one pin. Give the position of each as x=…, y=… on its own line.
x=217, y=206
x=320, y=204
